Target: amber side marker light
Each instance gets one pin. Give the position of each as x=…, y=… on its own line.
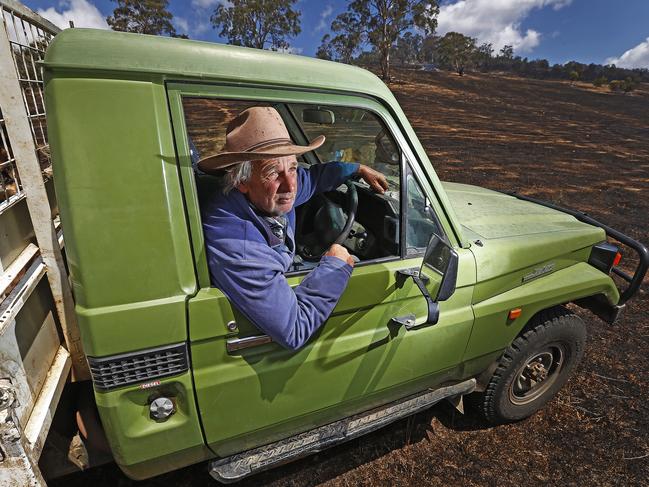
x=618, y=258
x=604, y=256
x=514, y=313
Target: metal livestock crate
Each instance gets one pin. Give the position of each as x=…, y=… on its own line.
x=39, y=340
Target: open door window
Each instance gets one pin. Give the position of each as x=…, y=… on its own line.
x=353, y=135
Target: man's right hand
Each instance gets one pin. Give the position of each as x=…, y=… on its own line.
x=340, y=252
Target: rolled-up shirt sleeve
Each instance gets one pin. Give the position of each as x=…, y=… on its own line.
x=290, y=316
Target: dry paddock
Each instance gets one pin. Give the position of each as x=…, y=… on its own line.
x=580, y=147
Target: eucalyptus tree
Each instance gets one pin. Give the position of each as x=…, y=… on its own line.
x=381, y=22
x=260, y=24
x=142, y=17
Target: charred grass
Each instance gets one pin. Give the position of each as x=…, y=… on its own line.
x=577, y=146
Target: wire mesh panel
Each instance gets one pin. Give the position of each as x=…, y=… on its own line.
x=28, y=39
x=9, y=180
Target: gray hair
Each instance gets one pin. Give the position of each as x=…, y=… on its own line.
x=235, y=175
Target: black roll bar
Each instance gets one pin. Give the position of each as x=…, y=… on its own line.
x=643, y=254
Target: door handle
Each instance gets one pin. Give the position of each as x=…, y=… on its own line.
x=236, y=344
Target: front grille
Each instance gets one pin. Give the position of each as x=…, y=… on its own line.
x=144, y=365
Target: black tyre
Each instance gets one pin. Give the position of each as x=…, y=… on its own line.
x=535, y=366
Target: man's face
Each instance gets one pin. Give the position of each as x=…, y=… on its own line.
x=272, y=185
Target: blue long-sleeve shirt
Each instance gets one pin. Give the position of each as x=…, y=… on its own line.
x=251, y=273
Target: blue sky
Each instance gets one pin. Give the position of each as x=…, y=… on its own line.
x=599, y=31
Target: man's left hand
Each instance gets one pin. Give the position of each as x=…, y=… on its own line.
x=375, y=179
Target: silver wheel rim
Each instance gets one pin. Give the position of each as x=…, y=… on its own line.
x=537, y=374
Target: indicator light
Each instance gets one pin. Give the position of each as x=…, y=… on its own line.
x=618, y=258
x=604, y=256
x=514, y=313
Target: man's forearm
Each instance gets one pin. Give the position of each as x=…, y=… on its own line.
x=316, y=297
x=259, y=290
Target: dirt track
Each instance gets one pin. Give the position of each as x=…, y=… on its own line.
x=580, y=148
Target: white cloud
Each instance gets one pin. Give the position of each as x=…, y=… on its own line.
x=182, y=24
x=559, y=4
x=201, y=28
x=324, y=17
x=81, y=12
x=495, y=21
x=290, y=50
x=208, y=3
x=636, y=57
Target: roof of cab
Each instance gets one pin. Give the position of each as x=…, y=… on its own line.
x=104, y=50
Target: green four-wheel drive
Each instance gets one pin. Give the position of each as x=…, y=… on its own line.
x=457, y=289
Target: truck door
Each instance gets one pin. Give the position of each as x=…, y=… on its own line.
x=250, y=391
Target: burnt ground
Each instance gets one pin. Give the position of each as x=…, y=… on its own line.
x=577, y=146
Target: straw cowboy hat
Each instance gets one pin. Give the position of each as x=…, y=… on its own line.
x=256, y=133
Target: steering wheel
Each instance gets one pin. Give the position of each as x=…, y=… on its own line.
x=352, y=206
x=329, y=214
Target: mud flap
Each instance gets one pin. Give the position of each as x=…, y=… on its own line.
x=600, y=307
x=457, y=403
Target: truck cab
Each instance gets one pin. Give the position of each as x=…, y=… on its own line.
x=448, y=277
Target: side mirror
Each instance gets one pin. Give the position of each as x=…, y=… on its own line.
x=441, y=260
x=437, y=277
x=319, y=116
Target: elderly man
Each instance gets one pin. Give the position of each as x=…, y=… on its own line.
x=249, y=227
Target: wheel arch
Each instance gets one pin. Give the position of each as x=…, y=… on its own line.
x=493, y=331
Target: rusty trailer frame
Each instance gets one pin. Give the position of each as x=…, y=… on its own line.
x=36, y=305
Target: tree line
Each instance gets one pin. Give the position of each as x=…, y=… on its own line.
x=262, y=24
x=459, y=53
x=369, y=32
x=270, y=24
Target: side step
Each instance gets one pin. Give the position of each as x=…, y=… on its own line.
x=236, y=467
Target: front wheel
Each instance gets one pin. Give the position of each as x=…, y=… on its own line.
x=534, y=367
